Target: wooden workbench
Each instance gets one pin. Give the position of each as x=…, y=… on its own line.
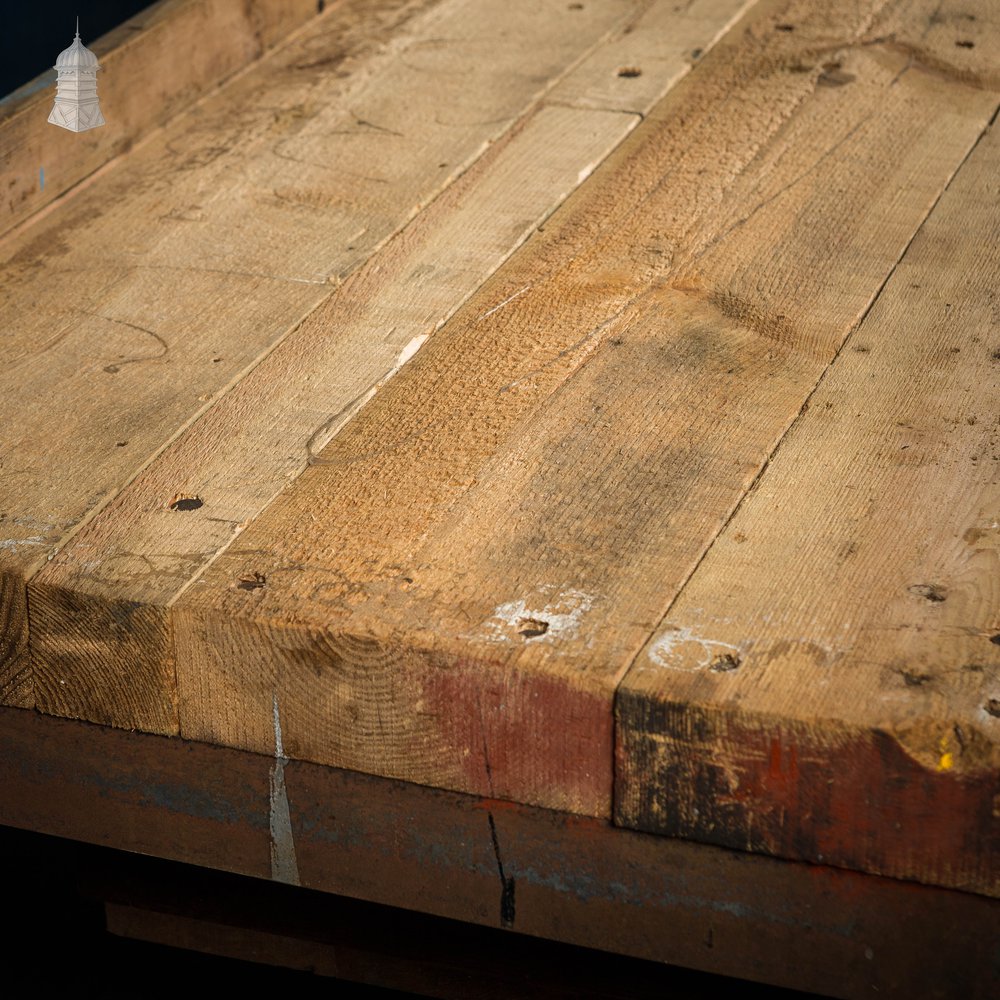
x=544, y=453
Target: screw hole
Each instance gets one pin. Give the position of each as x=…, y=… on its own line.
x=185, y=502
x=531, y=628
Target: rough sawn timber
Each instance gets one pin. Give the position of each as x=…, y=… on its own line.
x=137, y=555
x=453, y=591
x=140, y=302
x=859, y=724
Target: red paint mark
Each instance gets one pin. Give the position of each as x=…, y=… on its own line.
x=854, y=799
x=775, y=768
x=518, y=735
x=783, y=763
x=589, y=824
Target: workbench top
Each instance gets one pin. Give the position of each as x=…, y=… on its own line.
x=591, y=407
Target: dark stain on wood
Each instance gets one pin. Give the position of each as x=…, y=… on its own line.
x=106, y=661
x=854, y=798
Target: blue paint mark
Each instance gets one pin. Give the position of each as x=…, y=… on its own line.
x=40, y=83
x=41, y=178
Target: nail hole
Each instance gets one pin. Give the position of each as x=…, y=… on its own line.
x=965, y=44
x=629, y=72
x=785, y=27
x=913, y=680
x=995, y=639
x=531, y=628
x=120, y=444
x=575, y=6
x=725, y=662
x=185, y=502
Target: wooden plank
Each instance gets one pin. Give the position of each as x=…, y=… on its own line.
x=238, y=199
x=858, y=723
x=139, y=551
x=142, y=84
x=452, y=593
x=580, y=881
x=139, y=555
x=653, y=52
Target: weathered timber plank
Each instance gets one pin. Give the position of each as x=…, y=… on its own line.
x=575, y=880
x=143, y=82
x=136, y=304
x=827, y=684
x=135, y=558
x=654, y=51
x=139, y=551
x=452, y=593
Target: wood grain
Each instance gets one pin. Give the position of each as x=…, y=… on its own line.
x=452, y=593
x=858, y=724
x=15, y=660
x=146, y=297
x=143, y=83
x=654, y=50
x=139, y=551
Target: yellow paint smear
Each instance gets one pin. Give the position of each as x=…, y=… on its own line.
x=947, y=761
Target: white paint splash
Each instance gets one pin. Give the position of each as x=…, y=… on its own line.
x=682, y=649
x=284, y=866
x=560, y=617
x=411, y=348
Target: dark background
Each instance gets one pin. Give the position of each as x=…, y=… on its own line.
x=32, y=34
x=56, y=944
